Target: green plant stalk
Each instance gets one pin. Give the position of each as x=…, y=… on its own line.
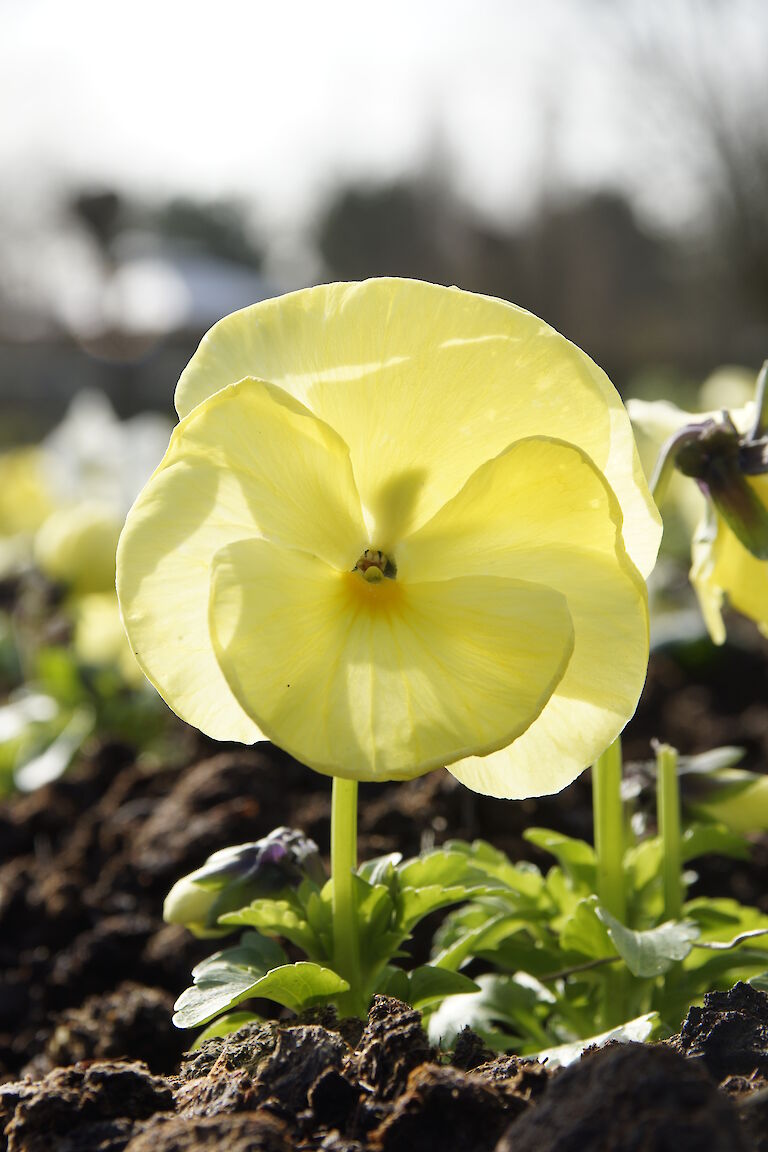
x=668, y=814
x=608, y=814
x=346, y=942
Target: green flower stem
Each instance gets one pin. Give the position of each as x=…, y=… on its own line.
x=668, y=811
x=346, y=944
x=608, y=813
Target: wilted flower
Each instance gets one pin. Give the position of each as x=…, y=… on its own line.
x=233, y=877
x=397, y=527
x=726, y=454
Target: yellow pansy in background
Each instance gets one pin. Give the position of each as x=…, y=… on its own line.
x=398, y=526
x=77, y=547
x=99, y=637
x=25, y=501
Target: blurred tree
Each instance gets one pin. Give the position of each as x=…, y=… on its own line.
x=218, y=228
x=102, y=212
x=706, y=61
x=390, y=230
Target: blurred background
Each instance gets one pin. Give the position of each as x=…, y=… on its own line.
x=603, y=164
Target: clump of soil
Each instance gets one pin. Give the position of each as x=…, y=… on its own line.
x=320, y=1086
x=729, y=1034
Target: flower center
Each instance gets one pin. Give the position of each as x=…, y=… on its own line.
x=374, y=565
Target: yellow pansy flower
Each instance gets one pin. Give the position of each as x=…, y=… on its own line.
x=399, y=526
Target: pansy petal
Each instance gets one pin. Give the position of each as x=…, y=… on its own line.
x=425, y=383
x=382, y=681
x=542, y=511
x=723, y=569
x=250, y=461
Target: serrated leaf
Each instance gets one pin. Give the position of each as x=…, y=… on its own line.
x=214, y=992
x=653, y=951
x=524, y=878
x=639, y=1030
x=278, y=918
x=439, y=867
x=295, y=986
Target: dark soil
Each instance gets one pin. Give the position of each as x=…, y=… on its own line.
x=381, y=1088
x=88, y=970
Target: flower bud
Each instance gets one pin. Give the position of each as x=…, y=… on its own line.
x=233, y=877
x=717, y=458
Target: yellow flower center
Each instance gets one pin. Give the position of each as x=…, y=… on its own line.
x=374, y=565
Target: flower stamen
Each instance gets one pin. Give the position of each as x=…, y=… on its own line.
x=374, y=565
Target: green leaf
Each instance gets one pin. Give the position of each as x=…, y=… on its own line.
x=722, y=919
x=502, y=1002
x=575, y=857
x=562, y=1055
x=525, y=879
x=53, y=761
x=279, y=918
x=224, y=1025
x=712, y=761
x=585, y=933
x=254, y=953
x=429, y=985
x=295, y=986
x=651, y=952
x=741, y=938
x=393, y=982
x=467, y=945
x=216, y=991
x=760, y=982
x=416, y=903
x=643, y=862
x=302, y=985
x=703, y=839
x=439, y=867
x=380, y=869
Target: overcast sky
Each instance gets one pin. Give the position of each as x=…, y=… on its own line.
x=279, y=100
